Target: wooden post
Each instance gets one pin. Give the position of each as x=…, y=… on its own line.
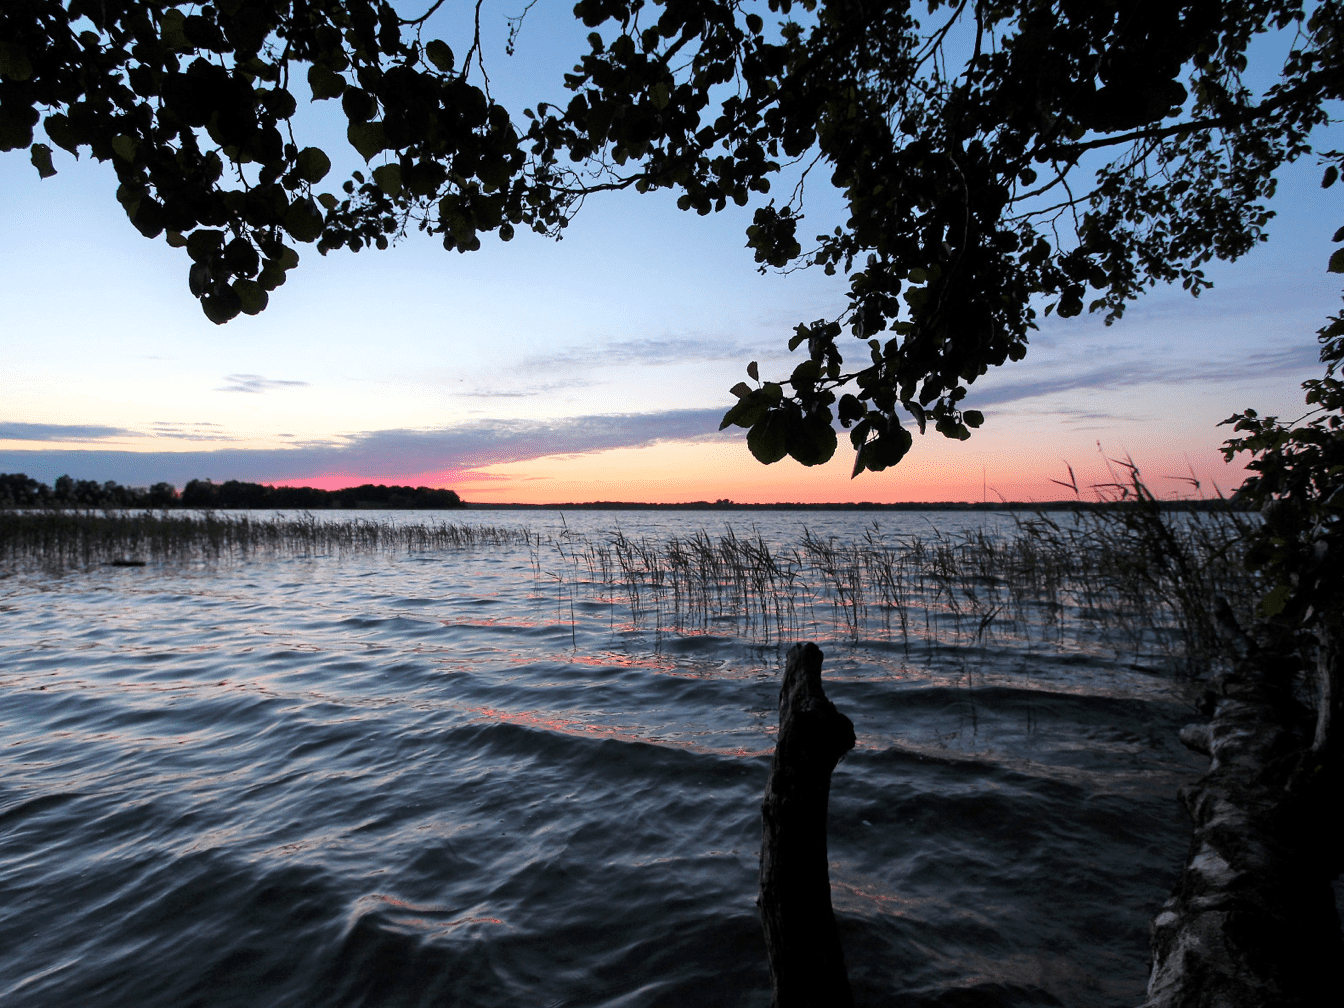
x=807, y=967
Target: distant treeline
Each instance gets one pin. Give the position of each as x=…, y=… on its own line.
x=20, y=490
x=1217, y=504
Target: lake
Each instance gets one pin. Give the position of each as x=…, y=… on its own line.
x=528, y=773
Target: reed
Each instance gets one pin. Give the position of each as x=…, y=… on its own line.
x=1137, y=582
x=55, y=539
x=1127, y=578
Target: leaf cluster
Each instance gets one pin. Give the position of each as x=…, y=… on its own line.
x=1010, y=159
x=194, y=108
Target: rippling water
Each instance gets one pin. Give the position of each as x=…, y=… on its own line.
x=436, y=780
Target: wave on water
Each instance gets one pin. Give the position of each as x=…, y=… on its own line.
x=438, y=779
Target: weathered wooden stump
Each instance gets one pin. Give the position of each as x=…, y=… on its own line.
x=807, y=966
x=1252, y=921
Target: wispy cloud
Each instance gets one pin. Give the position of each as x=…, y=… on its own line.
x=385, y=453
x=526, y=391
x=1292, y=360
x=202, y=431
x=59, y=432
x=255, y=383
x=644, y=352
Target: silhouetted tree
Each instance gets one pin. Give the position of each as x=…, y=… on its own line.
x=21, y=490
x=162, y=495
x=1005, y=156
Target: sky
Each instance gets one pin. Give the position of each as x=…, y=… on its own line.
x=594, y=368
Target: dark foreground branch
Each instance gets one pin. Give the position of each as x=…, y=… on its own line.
x=1252, y=920
x=807, y=967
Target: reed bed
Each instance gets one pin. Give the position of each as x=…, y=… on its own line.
x=1130, y=582
x=66, y=538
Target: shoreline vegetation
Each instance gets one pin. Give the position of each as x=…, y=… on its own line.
x=18, y=490
x=1127, y=577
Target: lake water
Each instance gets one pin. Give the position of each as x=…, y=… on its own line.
x=477, y=777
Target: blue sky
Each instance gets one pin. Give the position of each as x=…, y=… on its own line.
x=592, y=368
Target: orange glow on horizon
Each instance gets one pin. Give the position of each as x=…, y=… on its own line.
x=935, y=471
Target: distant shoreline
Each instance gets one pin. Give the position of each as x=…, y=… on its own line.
x=1062, y=505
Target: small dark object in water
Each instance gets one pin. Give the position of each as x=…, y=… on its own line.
x=124, y=563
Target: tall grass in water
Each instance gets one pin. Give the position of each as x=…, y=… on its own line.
x=1127, y=577
x=63, y=538
x=1159, y=573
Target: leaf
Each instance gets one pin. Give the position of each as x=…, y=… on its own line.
x=41, y=158
x=325, y=82
x=278, y=102
x=660, y=94
x=753, y=372
x=172, y=30
x=1336, y=262
x=61, y=133
x=766, y=439
x=850, y=409
x=972, y=418
x=312, y=164
x=1331, y=174
x=741, y=390
x=303, y=220
x=175, y=239
x=368, y=138
x=221, y=306
x=14, y=63
x=805, y=374
x=811, y=442
x=272, y=275
x=440, y=55
x=388, y=177
x=252, y=297
x=125, y=146
x=14, y=133
x=747, y=413
x=328, y=200
x=1273, y=603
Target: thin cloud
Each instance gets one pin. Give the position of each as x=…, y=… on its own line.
x=1292, y=360
x=526, y=392
x=202, y=431
x=255, y=384
x=386, y=453
x=645, y=352
x=60, y=432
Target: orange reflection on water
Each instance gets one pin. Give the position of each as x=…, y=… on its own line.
x=579, y=729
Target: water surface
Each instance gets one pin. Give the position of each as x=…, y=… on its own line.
x=475, y=778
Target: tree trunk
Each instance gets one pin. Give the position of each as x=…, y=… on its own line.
x=807, y=967
x=1252, y=920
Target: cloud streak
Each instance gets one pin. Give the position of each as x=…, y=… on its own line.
x=1127, y=373
x=255, y=384
x=60, y=432
x=381, y=454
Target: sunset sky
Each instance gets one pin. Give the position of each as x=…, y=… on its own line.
x=595, y=368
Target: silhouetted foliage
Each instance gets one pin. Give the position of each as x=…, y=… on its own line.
x=19, y=490
x=22, y=491
x=1006, y=157
x=237, y=494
